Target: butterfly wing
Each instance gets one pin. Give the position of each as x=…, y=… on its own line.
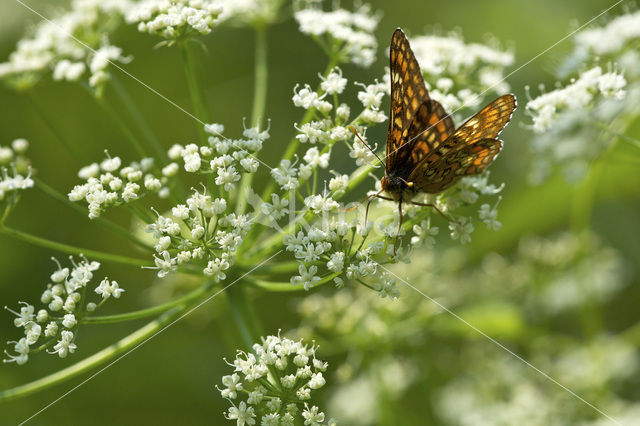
x=408, y=94
x=430, y=127
x=469, y=150
x=466, y=160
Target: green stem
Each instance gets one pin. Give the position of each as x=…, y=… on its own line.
x=260, y=78
x=148, y=312
x=100, y=220
x=65, y=248
x=51, y=126
x=122, y=126
x=195, y=90
x=122, y=347
x=284, y=287
x=140, y=121
x=244, y=315
x=259, y=105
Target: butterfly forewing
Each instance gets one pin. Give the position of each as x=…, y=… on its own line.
x=429, y=128
x=408, y=93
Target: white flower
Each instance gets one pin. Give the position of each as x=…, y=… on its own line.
x=336, y=263
x=339, y=183
x=350, y=32
x=546, y=107
x=165, y=264
x=25, y=316
x=334, y=82
x=227, y=177
x=307, y=277
x=425, y=234
x=216, y=267
x=69, y=321
x=174, y=18
x=612, y=37
x=65, y=345
x=21, y=347
x=461, y=229
x=242, y=413
x=278, y=207
x=106, y=289
x=314, y=159
x=489, y=216
x=233, y=385
x=312, y=416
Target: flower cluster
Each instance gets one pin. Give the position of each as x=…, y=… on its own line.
x=256, y=13
x=277, y=379
x=504, y=297
x=175, y=19
x=611, y=38
x=226, y=159
x=576, y=123
x=15, y=174
x=344, y=35
x=501, y=389
x=66, y=304
x=333, y=119
x=583, y=91
x=198, y=232
x=108, y=184
x=59, y=47
x=202, y=230
x=459, y=74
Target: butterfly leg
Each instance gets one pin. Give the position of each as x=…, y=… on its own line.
x=363, y=201
x=449, y=219
x=395, y=241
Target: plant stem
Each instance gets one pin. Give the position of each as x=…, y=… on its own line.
x=65, y=248
x=260, y=78
x=196, y=93
x=122, y=126
x=51, y=126
x=148, y=312
x=140, y=121
x=244, y=315
x=100, y=220
x=123, y=346
x=259, y=104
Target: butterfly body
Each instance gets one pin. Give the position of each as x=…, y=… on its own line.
x=425, y=151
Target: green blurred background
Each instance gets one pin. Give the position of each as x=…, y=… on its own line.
x=170, y=380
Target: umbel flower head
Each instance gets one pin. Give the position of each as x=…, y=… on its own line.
x=590, y=110
x=273, y=384
x=15, y=175
x=175, y=19
x=54, y=50
x=65, y=303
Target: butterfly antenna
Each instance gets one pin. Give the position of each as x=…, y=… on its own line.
x=355, y=132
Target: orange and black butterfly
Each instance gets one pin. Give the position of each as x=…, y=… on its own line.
x=425, y=152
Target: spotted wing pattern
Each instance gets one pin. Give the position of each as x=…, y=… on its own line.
x=430, y=127
x=469, y=150
x=408, y=94
x=467, y=160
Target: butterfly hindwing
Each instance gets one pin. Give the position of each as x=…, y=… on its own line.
x=467, y=159
x=408, y=93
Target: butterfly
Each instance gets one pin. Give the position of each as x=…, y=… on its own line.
x=425, y=151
